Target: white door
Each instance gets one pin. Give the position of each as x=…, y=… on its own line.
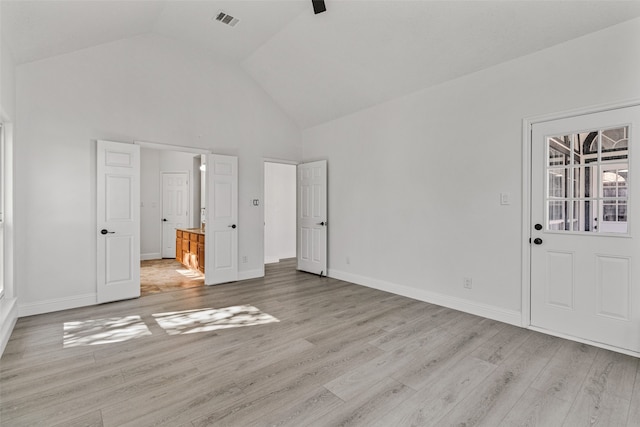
x=585, y=245
x=221, y=240
x=312, y=217
x=118, y=221
x=175, y=209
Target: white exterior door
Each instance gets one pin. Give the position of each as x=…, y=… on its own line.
x=118, y=221
x=312, y=217
x=585, y=245
x=221, y=241
x=175, y=209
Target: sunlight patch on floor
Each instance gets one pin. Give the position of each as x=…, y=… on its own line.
x=103, y=331
x=192, y=274
x=210, y=319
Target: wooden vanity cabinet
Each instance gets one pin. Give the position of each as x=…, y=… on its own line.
x=190, y=248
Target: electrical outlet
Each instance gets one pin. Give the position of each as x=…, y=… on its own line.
x=467, y=282
x=245, y=259
x=348, y=260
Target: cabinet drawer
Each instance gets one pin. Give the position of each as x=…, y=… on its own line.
x=193, y=237
x=178, y=234
x=200, y=238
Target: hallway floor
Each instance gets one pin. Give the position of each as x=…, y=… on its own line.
x=167, y=275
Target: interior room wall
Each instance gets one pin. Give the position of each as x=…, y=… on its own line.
x=414, y=184
x=279, y=211
x=7, y=80
x=8, y=307
x=147, y=88
x=150, y=208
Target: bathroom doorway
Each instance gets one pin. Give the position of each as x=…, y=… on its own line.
x=279, y=212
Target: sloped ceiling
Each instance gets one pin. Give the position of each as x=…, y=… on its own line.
x=320, y=67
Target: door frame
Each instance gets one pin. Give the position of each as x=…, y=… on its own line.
x=264, y=198
x=527, y=147
x=169, y=147
x=284, y=162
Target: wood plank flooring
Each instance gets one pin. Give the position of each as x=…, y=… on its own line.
x=167, y=275
x=339, y=355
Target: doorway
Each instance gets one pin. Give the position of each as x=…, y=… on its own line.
x=279, y=212
x=583, y=240
x=170, y=188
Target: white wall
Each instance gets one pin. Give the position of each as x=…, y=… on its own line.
x=414, y=183
x=8, y=307
x=7, y=80
x=148, y=88
x=150, y=207
x=279, y=211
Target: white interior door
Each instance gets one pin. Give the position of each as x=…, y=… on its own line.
x=585, y=245
x=175, y=209
x=221, y=239
x=118, y=221
x=312, y=217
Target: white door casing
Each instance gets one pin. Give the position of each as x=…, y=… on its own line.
x=118, y=221
x=221, y=244
x=175, y=209
x=312, y=217
x=583, y=256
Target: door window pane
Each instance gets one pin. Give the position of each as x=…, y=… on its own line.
x=615, y=143
x=559, y=148
x=557, y=215
x=557, y=182
x=587, y=181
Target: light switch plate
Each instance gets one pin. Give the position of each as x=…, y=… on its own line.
x=505, y=198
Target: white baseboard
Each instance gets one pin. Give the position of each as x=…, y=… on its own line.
x=271, y=260
x=153, y=255
x=8, y=318
x=479, y=309
x=251, y=274
x=57, y=304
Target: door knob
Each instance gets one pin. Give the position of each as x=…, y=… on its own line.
x=233, y=226
x=322, y=223
x=537, y=241
x=164, y=219
x=538, y=227
x=105, y=231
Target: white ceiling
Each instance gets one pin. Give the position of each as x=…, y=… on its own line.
x=320, y=67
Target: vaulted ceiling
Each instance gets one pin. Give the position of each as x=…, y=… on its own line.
x=319, y=67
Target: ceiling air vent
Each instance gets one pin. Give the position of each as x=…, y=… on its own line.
x=227, y=19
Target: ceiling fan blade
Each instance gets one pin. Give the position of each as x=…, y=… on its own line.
x=318, y=6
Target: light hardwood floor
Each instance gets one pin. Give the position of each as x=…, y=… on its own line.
x=167, y=275
x=339, y=355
